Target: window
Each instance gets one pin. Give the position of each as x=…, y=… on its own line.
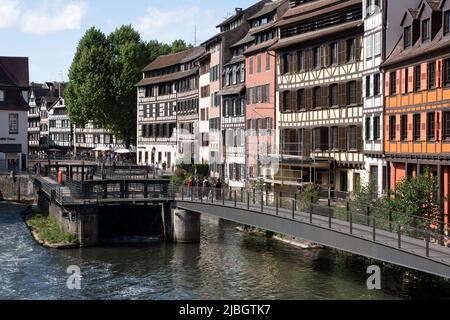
x=316, y=57
x=2, y=95
x=368, y=93
x=286, y=101
x=377, y=47
x=316, y=97
x=432, y=75
x=351, y=50
x=352, y=133
x=392, y=127
x=404, y=127
x=407, y=36
x=446, y=22
x=446, y=126
x=13, y=123
x=376, y=84
x=301, y=99
x=334, y=53
x=431, y=126
x=447, y=72
x=267, y=61
x=368, y=129
x=351, y=93
x=417, y=79
x=333, y=95
x=301, y=60
x=416, y=127
x=393, y=88
x=376, y=128
x=426, y=31
x=250, y=70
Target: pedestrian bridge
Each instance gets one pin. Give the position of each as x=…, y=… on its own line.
x=336, y=226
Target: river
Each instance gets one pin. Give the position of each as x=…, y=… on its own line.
x=226, y=264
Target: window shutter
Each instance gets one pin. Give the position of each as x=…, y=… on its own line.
x=281, y=96
x=439, y=73
x=307, y=143
x=398, y=87
x=411, y=79
x=323, y=56
x=281, y=63
x=342, y=90
x=403, y=81
x=424, y=73
x=359, y=138
x=342, y=134
x=342, y=52
x=308, y=60
x=308, y=98
x=325, y=99
x=387, y=82
x=293, y=100
x=293, y=59
x=358, y=48
x=359, y=92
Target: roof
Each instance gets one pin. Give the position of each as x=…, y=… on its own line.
x=168, y=77
x=234, y=17
x=312, y=9
x=16, y=69
x=287, y=42
x=417, y=50
x=268, y=8
x=261, y=46
x=247, y=39
x=232, y=90
x=175, y=58
x=235, y=59
x=434, y=4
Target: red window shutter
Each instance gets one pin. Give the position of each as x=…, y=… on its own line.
x=387, y=78
x=403, y=77
x=424, y=72
x=439, y=73
x=399, y=82
x=411, y=79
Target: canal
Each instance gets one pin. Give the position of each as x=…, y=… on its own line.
x=226, y=264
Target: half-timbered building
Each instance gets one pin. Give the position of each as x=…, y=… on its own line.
x=319, y=103
x=417, y=99
x=168, y=100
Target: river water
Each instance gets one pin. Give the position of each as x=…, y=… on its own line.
x=226, y=264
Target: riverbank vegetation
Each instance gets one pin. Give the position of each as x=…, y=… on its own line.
x=48, y=231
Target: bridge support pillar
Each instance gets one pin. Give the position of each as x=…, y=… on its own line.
x=186, y=226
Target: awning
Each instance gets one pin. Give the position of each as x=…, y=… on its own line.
x=235, y=90
x=10, y=148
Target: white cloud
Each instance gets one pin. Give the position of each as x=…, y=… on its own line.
x=178, y=23
x=9, y=13
x=54, y=17
x=45, y=17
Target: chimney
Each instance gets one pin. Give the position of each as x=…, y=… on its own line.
x=238, y=10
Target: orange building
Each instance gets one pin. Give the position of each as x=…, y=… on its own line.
x=417, y=98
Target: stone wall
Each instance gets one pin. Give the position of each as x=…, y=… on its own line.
x=21, y=190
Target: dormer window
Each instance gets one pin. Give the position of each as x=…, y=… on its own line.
x=447, y=22
x=426, y=30
x=408, y=37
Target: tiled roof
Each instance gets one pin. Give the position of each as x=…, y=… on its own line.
x=287, y=42
x=247, y=39
x=16, y=69
x=418, y=50
x=175, y=59
x=261, y=46
x=313, y=9
x=168, y=77
x=268, y=8
x=232, y=90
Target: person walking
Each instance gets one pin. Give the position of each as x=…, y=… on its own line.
x=218, y=189
x=190, y=186
x=206, y=186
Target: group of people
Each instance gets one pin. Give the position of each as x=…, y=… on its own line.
x=203, y=187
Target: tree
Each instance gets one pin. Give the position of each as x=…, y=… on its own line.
x=103, y=78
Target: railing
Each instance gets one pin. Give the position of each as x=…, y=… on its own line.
x=417, y=234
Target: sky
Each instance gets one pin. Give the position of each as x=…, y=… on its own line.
x=48, y=31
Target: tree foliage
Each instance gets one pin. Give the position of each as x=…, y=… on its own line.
x=103, y=78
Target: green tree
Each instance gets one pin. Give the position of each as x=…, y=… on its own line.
x=103, y=77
